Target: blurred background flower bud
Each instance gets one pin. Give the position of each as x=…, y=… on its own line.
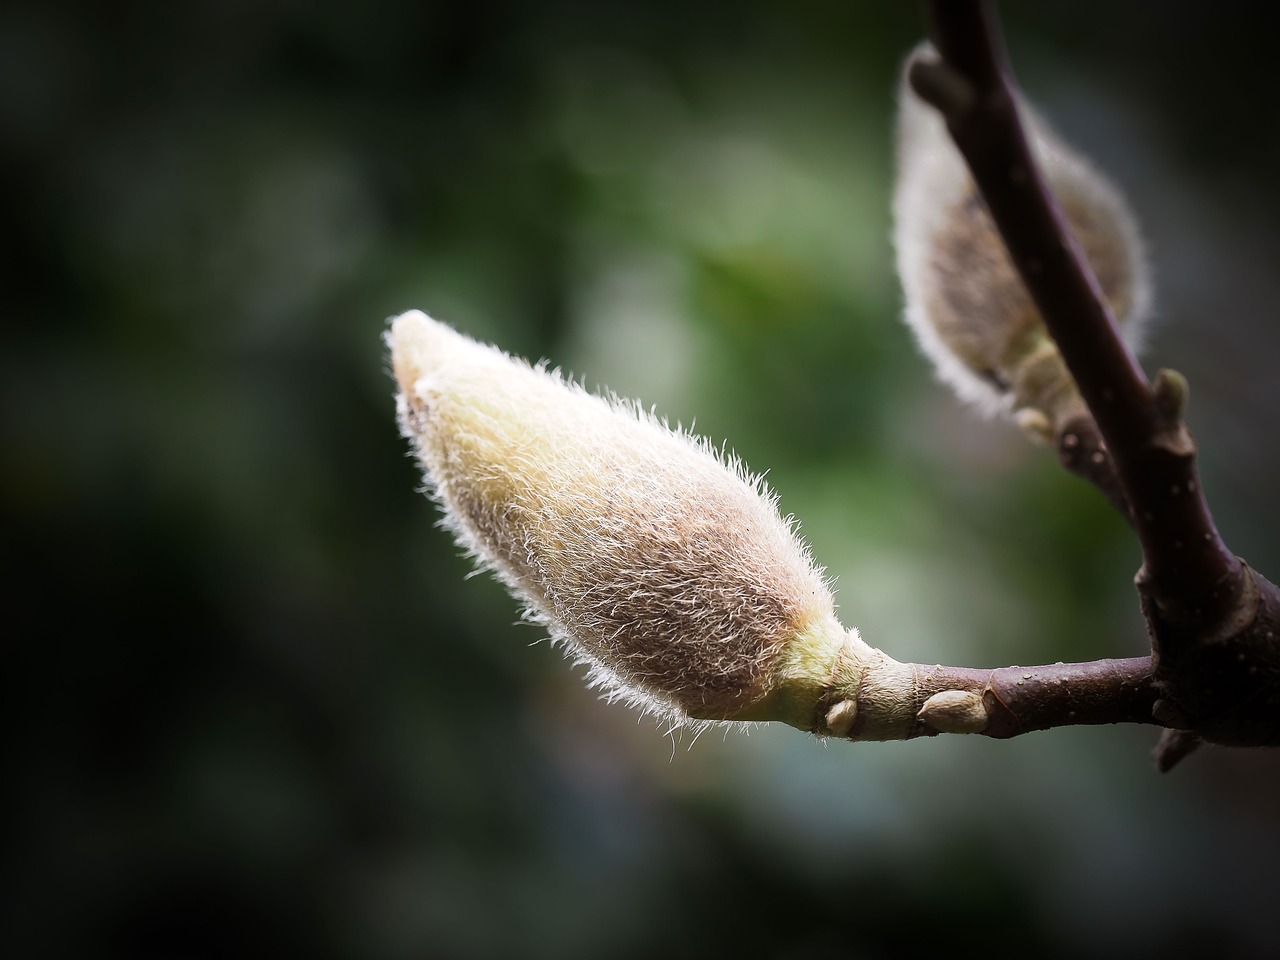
x=659, y=562
x=965, y=301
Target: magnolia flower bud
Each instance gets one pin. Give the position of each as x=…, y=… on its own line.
x=965, y=301
x=654, y=559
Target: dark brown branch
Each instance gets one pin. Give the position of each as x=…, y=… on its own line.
x=1152, y=453
x=1023, y=699
x=1213, y=623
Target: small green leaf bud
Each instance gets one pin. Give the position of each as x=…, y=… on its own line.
x=964, y=300
x=652, y=557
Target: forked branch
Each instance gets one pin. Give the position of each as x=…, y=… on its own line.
x=1212, y=621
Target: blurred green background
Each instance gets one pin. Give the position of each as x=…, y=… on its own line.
x=257, y=708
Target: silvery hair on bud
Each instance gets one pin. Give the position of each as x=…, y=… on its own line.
x=964, y=299
x=655, y=559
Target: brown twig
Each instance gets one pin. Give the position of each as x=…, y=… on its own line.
x=1083, y=452
x=1001, y=703
x=1212, y=622
x=1023, y=699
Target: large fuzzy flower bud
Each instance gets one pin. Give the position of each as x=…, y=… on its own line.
x=656, y=560
x=965, y=301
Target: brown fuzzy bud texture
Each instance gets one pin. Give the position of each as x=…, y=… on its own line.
x=656, y=560
x=965, y=301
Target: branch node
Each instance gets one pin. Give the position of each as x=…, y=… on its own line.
x=1173, y=747
x=955, y=711
x=841, y=716
x=1035, y=424
x=1169, y=396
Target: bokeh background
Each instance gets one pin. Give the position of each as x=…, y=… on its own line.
x=257, y=708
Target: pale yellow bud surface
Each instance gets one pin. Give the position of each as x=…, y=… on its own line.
x=655, y=559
